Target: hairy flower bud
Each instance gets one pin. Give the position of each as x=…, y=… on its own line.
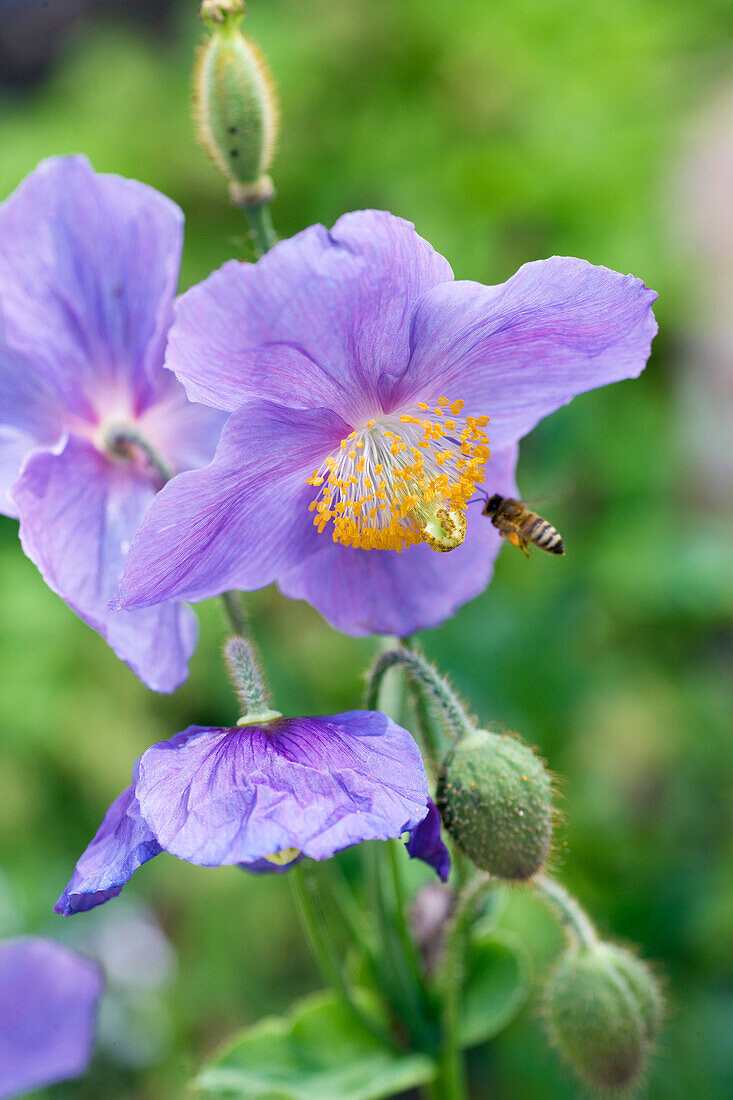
x=235, y=107
x=603, y=1011
x=495, y=798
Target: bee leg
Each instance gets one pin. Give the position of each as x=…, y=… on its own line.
x=516, y=540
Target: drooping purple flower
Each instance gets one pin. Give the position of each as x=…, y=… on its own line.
x=48, y=1006
x=261, y=796
x=88, y=273
x=359, y=377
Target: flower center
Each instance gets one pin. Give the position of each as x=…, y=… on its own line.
x=125, y=443
x=403, y=479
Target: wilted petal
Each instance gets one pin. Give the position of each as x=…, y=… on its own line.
x=122, y=843
x=518, y=351
x=316, y=785
x=425, y=843
x=78, y=513
x=48, y=1005
x=323, y=319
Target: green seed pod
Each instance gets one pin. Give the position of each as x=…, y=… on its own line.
x=234, y=103
x=495, y=797
x=603, y=1010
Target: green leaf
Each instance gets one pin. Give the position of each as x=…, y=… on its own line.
x=497, y=985
x=319, y=1051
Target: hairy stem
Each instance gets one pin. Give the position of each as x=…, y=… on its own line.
x=435, y=686
x=246, y=676
x=235, y=613
x=576, y=923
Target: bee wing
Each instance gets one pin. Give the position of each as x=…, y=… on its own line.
x=550, y=497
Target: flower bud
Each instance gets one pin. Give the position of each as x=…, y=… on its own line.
x=235, y=107
x=495, y=798
x=604, y=1009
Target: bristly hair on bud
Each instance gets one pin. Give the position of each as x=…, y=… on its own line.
x=235, y=108
x=495, y=799
x=603, y=1009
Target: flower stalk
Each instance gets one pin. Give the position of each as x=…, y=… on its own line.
x=576, y=923
x=421, y=672
x=310, y=909
x=452, y=1068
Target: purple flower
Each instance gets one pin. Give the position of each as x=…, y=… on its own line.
x=426, y=843
x=360, y=378
x=48, y=1005
x=88, y=272
x=260, y=796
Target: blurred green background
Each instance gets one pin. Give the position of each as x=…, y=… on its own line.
x=506, y=131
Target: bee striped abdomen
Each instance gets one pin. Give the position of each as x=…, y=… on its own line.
x=543, y=535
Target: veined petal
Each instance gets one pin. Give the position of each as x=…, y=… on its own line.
x=315, y=785
x=122, y=843
x=48, y=1006
x=241, y=520
x=78, y=513
x=383, y=592
x=323, y=319
x=30, y=417
x=426, y=843
x=88, y=270
x=183, y=432
x=520, y=350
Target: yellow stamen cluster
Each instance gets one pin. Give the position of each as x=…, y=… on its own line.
x=402, y=479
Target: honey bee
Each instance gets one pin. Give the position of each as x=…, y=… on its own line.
x=514, y=521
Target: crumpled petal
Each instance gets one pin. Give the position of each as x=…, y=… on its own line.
x=213, y=796
x=48, y=1006
x=383, y=592
x=425, y=843
x=78, y=513
x=88, y=272
x=241, y=520
x=323, y=319
x=520, y=350
x=122, y=843
x=314, y=784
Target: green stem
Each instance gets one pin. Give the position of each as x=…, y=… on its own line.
x=453, y=1075
x=401, y=974
x=429, y=738
x=434, y=685
x=576, y=923
x=235, y=613
x=260, y=222
x=311, y=913
x=351, y=912
x=408, y=944
x=246, y=677
x=399, y=979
